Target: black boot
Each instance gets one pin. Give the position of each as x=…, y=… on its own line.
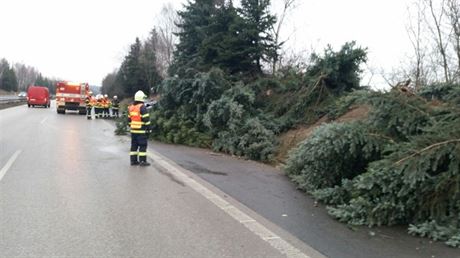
x=133, y=159
x=144, y=164
x=143, y=161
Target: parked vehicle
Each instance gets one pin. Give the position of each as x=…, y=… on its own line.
x=38, y=96
x=71, y=96
x=22, y=94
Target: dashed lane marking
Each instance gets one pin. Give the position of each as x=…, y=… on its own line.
x=254, y=226
x=8, y=164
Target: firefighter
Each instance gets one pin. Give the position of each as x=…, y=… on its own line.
x=98, y=107
x=105, y=104
x=139, y=123
x=89, y=106
x=115, y=106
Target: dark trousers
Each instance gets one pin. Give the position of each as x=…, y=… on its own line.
x=115, y=112
x=138, y=148
x=98, y=111
x=88, y=112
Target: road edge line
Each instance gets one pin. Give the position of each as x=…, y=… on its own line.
x=9, y=163
x=241, y=217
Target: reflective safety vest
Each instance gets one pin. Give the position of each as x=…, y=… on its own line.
x=88, y=101
x=137, y=124
x=99, y=104
x=115, y=104
x=105, y=104
x=92, y=101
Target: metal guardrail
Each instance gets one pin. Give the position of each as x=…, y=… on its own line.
x=5, y=100
x=10, y=97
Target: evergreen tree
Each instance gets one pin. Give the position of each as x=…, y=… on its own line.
x=194, y=19
x=8, y=79
x=4, y=65
x=40, y=81
x=131, y=74
x=339, y=71
x=46, y=82
x=259, y=43
x=225, y=47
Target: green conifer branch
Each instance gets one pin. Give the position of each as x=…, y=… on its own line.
x=436, y=145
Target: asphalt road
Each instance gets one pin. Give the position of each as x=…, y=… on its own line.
x=267, y=191
x=66, y=189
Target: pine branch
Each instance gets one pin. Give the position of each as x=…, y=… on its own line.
x=414, y=107
x=436, y=145
x=382, y=136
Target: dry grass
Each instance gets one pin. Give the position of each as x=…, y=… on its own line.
x=292, y=138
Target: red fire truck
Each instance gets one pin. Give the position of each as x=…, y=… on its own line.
x=71, y=96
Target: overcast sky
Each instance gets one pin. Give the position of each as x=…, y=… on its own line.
x=83, y=40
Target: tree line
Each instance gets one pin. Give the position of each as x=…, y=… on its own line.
x=433, y=28
x=18, y=77
x=206, y=34
x=226, y=86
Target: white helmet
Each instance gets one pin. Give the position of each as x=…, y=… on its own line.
x=115, y=97
x=140, y=96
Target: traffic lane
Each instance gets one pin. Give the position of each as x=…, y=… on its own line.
x=72, y=193
x=18, y=125
x=271, y=194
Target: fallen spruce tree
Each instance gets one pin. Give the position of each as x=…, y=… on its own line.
x=399, y=166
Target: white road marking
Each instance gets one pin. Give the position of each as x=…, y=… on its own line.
x=43, y=120
x=107, y=122
x=8, y=164
x=257, y=228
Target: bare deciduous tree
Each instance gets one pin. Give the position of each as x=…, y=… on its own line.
x=111, y=86
x=437, y=17
x=396, y=75
x=149, y=60
x=294, y=59
x=26, y=75
x=453, y=12
x=288, y=5
x=415, y=32
x=166, y=30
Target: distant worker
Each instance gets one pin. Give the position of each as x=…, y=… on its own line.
x=89, y=104
x=109, y=106
x=115, y=106
x=98, y=107
x=139, y=122
x=105, y=104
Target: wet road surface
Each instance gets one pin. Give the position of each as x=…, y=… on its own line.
x=267, y=191
x=66, y=189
